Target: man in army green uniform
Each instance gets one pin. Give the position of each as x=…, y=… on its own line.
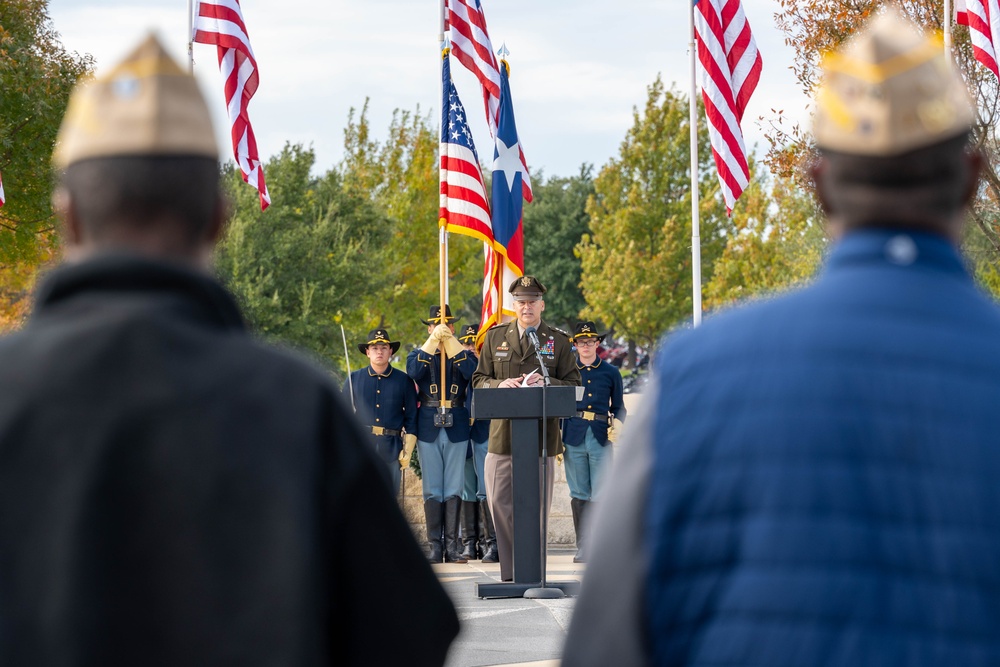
x=508, y=360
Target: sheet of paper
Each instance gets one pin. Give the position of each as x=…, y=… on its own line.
x=524, y=382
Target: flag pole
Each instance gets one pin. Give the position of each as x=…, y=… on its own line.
x=191, y=36
x=695, y=221
x=947, y=28
x=443, y=241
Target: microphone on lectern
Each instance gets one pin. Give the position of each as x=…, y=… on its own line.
x=530, y=332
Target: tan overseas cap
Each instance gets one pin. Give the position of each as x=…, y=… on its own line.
x=146, y=105
x=889, y=90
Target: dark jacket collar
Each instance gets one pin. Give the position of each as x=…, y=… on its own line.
x=372, y=373
x=121, y=273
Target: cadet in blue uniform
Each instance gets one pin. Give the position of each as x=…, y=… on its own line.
x=586, y=436
x=474, y=492
x=442, y=431
x=385, y=401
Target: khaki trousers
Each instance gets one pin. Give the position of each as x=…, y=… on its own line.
x=500, y=496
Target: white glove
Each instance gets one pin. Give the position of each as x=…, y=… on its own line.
x=409, y=442
x=442, y=332
x=615, y=430
x=452, y=346
x=430, y=345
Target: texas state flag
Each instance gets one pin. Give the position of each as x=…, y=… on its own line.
x=511, y=183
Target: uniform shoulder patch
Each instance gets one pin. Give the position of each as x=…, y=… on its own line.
x=564, y=333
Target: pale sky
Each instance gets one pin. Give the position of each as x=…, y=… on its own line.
x=578, y=67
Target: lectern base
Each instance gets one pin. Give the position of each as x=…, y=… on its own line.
x=547, y=593
x=519, y=590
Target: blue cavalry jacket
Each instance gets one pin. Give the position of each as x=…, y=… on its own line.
x=388, y=400
x=425, y=369
x=817, y=479
x=602, y=393
x=479, y=430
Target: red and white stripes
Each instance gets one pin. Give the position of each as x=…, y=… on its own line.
x=465, y=24
x=730, y=67
x=3, y=199
x=220, y=22
x=983, y=19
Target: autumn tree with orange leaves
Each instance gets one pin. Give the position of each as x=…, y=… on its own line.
x=36, y=77
x=814, y=27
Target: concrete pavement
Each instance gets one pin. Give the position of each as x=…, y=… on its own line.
x=509, y=631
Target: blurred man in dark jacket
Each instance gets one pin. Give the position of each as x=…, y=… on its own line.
x=815, y=478
x=172, y=492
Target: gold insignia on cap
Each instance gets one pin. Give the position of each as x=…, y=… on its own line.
x=889, y=90
x=586, y=327
x=146, y=105
x=526, y=281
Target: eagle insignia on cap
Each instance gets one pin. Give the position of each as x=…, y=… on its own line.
x=526, y=282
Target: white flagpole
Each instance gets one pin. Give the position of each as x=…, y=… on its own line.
x=695, y=221
x=947, y=28
x=191, y=36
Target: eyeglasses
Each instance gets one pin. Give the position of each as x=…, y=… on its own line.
x=593, y=342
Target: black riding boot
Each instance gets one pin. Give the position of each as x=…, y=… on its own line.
x=452, y=519
x=490, y=554
x=469, y=530
x=432, y=515
x=579, y=508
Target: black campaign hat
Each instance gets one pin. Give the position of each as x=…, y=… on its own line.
x=526, y=288
x=378, y=336
x=587, y=330
x=469, y=333
x=435, y=315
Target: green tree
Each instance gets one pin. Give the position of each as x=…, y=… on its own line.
x=554, y=224
x=636, y=262
x=36, y=77
x=778, y=242
x=302, y=268
x=400, y=176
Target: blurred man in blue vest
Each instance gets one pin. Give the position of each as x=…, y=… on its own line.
x=814, y=481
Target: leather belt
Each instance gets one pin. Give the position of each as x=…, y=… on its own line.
x=594, y=417
x=447, y=404
x=378, y=430
x=431, y=403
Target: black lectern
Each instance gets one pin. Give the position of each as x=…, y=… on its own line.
x=525, y=406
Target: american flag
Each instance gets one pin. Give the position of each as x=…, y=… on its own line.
x=3, y=200
x=220, y=22
x=983, y=19
x=506, y=262
x=465, y=24
x=470, y=42
x=464, y=205
x=730, y=68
